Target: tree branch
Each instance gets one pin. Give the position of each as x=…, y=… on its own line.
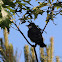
x=24, y=35
x=28, y=41
x=35, y=54
x=44, y=28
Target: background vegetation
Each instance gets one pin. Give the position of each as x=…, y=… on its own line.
x=11, y=8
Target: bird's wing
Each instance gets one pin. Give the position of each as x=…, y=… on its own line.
x=35, y=35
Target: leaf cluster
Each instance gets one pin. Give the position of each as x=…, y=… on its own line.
x=29, y=12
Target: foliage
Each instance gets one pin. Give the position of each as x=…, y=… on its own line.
x=25, y=11
x=6, y=50
x=45, y=56
x=30, y=12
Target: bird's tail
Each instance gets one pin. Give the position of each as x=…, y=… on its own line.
x=42, y=45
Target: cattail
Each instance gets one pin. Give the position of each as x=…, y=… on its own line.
x=57, y=59
x=6, y=37
x=26, y=52
x=10, y=52
x=48, y=54
x=32, y=55
x=42, y=54
x=51, y=48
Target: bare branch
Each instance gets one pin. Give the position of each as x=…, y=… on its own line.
x=35, y=54
x=44, y=27
x=14, y=28
x=27, y=41
x=24, y=36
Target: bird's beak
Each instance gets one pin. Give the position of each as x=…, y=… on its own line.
x=28, y=26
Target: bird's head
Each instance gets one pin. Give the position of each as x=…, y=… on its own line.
x=31, y=25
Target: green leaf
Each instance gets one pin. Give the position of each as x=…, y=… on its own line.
x=58, y=7
x=42, y=4
x=11, y=10
x=59, y=4
x=52, y=0
x=20, y=3
x=0, y=15
x=27, y=1
x=5, y=23
x=4, y=20
x=8, y=2
x=49, y=1
x=0, y=7
x=37, y=11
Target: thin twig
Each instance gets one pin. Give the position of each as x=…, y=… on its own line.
x=17, y=15
x=28, y=41
x=44, y=28
x=24, y=36
x=14, y=28
x=35, y=54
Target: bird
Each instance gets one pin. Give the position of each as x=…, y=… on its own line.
x=35, y=35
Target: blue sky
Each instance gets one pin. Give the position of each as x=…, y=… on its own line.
x=52, y=30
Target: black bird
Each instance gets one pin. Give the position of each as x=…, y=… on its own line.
x=35, y=35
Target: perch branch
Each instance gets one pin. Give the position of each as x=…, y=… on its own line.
x=24, y=35
x=28, y=41
x=44, y=28
x=35, y=54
